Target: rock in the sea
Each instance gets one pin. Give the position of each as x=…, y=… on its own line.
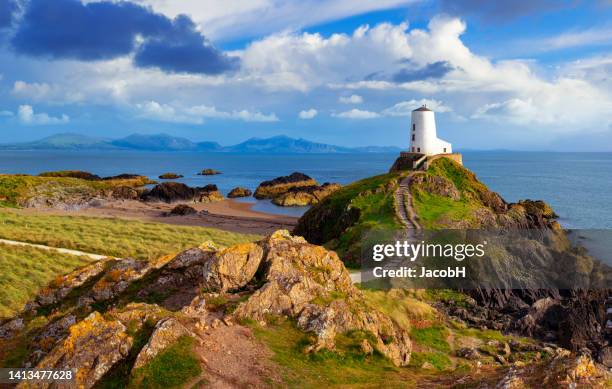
x=170, y=192
x=274, y=188
x=209, y=172
x=239, y=192
x=167, y=331
x=170, y=176
x=209, y=194
x=303, y=196
x=93, y=346
x=182, y=210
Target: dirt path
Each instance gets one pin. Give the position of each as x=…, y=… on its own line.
x=78, y=253
x=403, y=204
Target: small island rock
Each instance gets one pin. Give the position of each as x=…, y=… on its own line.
x=280, y=185
x=170, y=176
x=239, y=192
x=209, y=172
x=304, y=196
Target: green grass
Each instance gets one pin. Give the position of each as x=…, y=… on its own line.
x=433, y=338
x=171, y=368
x=23, y=270
x=113, y=237
x=438, y=360
x=432, y=208
x=326, y=368
x=371, y=200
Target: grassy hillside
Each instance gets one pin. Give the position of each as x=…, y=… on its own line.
x=114, y=237
x=345, y=216
x=24, y=270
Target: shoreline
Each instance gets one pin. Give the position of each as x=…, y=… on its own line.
x=228, y=215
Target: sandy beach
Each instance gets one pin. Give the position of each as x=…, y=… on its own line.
x=229, y=215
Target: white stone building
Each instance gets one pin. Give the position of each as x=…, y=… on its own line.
x=423, y=137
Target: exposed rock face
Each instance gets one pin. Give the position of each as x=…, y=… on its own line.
x=93, y=346
x=167, y=331
x=63, y=285
x=232, y=268
x=170, y=192
x=239, y=192
x=182, y=210
x=209, y=172
x=274, y=188
x=118, y=278
x=303, y=196
x=300, y=277
x=170, y=176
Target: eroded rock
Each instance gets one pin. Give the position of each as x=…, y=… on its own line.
x=167, y=332
x=92, y=347
x=273, y=188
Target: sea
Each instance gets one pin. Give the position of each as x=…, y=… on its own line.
x=577, y=185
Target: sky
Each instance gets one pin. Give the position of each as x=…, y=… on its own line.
x=518, y=75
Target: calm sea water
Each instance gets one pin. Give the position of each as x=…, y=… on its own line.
x=577, y=185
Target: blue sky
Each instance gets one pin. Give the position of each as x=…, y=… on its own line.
x=528, y=75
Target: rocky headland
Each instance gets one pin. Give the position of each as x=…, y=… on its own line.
x=449, y=196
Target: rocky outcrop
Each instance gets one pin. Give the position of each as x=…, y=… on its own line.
x=93, y=346
x=239, y=192
x=278, y=186
x=280, y=275
x=167, y=331
x=170, y=192
x=59, y=288
x=125, y=193
x=170, y=176
x=304, y=196
x=309, y=283
x=182, y=210
x=208, y=172
x=232, y=268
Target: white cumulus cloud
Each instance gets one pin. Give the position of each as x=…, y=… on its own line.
x=308, y=114
x=405, y=108
x=352, y=99
x=197, y=114
x=27, y=116
x=357, y=114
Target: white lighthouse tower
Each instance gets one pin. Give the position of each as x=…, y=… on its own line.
x=423, y=137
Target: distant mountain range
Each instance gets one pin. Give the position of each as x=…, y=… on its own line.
x=164, y=142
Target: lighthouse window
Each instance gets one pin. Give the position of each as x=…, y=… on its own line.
x=445, y=149
x=414, y=137
x=418, y=149
x=413, y=127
